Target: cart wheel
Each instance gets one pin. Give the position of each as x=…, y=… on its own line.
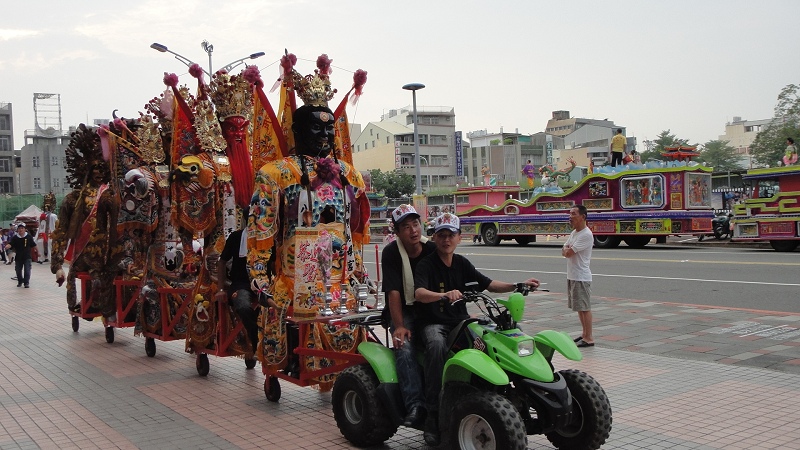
x=202, y=364
x=249, y=363
x=150, y=346
x=75, y=323
x=272, y=389
x=110, y=335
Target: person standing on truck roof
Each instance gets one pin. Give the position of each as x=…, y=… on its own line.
x=617, y=148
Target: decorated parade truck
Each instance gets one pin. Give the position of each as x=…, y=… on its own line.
x=772, y=211
x=633, y=203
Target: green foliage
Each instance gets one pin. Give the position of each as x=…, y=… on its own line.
x=508, y=141
x=770, y=143
x=394, y=184
x=719, y=155
x=664, y=139
x=494, y=142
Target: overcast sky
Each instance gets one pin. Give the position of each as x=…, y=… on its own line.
x=687, y=66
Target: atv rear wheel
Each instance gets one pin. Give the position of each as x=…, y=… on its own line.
x=486, y=420
x=591, y=414
x=359, y=414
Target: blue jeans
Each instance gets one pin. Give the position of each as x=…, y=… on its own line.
x=23, y=263
x=243, y=308
x=435, y=338
x=409, y=374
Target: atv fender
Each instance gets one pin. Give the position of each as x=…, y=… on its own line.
x=381, y=359
x=470, y=361
x=558, y=341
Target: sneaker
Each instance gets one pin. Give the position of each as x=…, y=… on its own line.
x=19, y=284
x=27, y=286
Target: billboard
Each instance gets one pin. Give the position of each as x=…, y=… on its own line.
x=459, y=156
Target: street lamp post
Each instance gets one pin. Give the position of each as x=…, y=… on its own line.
x=209, y=48
x=414, y=87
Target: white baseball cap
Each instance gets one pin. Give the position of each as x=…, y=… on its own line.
x=401, y=212
x=447, y=221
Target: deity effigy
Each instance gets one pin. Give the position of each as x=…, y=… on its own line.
x=86, y=226
x=308, y=217
x=220, y=179
x=169, y=261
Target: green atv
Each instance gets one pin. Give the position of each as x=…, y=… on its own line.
x=498, y=387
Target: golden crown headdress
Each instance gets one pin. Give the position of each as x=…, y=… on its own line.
x=232, y=95
x=315, y=90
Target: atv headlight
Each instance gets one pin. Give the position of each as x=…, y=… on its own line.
x=525, y=348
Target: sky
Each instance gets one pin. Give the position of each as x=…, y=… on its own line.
x=684, y=66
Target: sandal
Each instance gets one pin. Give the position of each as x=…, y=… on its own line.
x=578, y=339
x=583, y=344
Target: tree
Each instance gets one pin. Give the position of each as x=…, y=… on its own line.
x=770, y=143
x=394, y=184
x=664, y=139
x=719, y=155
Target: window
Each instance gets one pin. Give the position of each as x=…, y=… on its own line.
x=373, y=144
x=37, y=183
x=423, y=139
x=5, y=144
x=55, y=182
x=378, y=136
x=5, y=164
x=64, y=161
x=6, y=185
x=370, y=131
x=387, y=139
x=5, y=123
x=35, y=161
x=358, y=148
x=438, y=139
x=54, y=160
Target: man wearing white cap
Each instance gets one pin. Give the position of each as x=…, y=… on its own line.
x=399, y=259
x=438, y=282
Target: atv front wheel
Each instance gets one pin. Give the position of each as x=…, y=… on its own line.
x=486, y=420
x=359, y=414
x=591, y=414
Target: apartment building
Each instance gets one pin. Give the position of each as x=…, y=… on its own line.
x=7, y=160
x=389, y=144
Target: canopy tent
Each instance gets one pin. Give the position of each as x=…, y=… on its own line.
x=30, y=217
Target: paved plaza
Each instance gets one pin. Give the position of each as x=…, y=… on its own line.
x=677, y=376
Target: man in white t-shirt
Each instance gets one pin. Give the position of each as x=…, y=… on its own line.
x=578, y=251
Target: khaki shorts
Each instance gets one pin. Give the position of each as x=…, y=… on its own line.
x=578, y=294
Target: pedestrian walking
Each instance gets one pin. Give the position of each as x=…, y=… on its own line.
x=22, y=243
x=578, y=251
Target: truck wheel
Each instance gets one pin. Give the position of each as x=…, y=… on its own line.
x=784, y=246
x=490, y=236
x=359, y=414
x=486, y=420
x=590, y=423
x=637, y=241
x=606, y=241
x=523, y=241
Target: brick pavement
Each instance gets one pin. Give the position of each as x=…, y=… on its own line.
x=677, y=376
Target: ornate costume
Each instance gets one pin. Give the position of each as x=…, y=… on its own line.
x=86, y=226
x=308, y=217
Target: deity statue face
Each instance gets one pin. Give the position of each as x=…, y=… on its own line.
x=314, y=131
x=234, y=129
x=99, y=173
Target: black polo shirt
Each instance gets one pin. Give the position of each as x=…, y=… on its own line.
x=432, y=274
